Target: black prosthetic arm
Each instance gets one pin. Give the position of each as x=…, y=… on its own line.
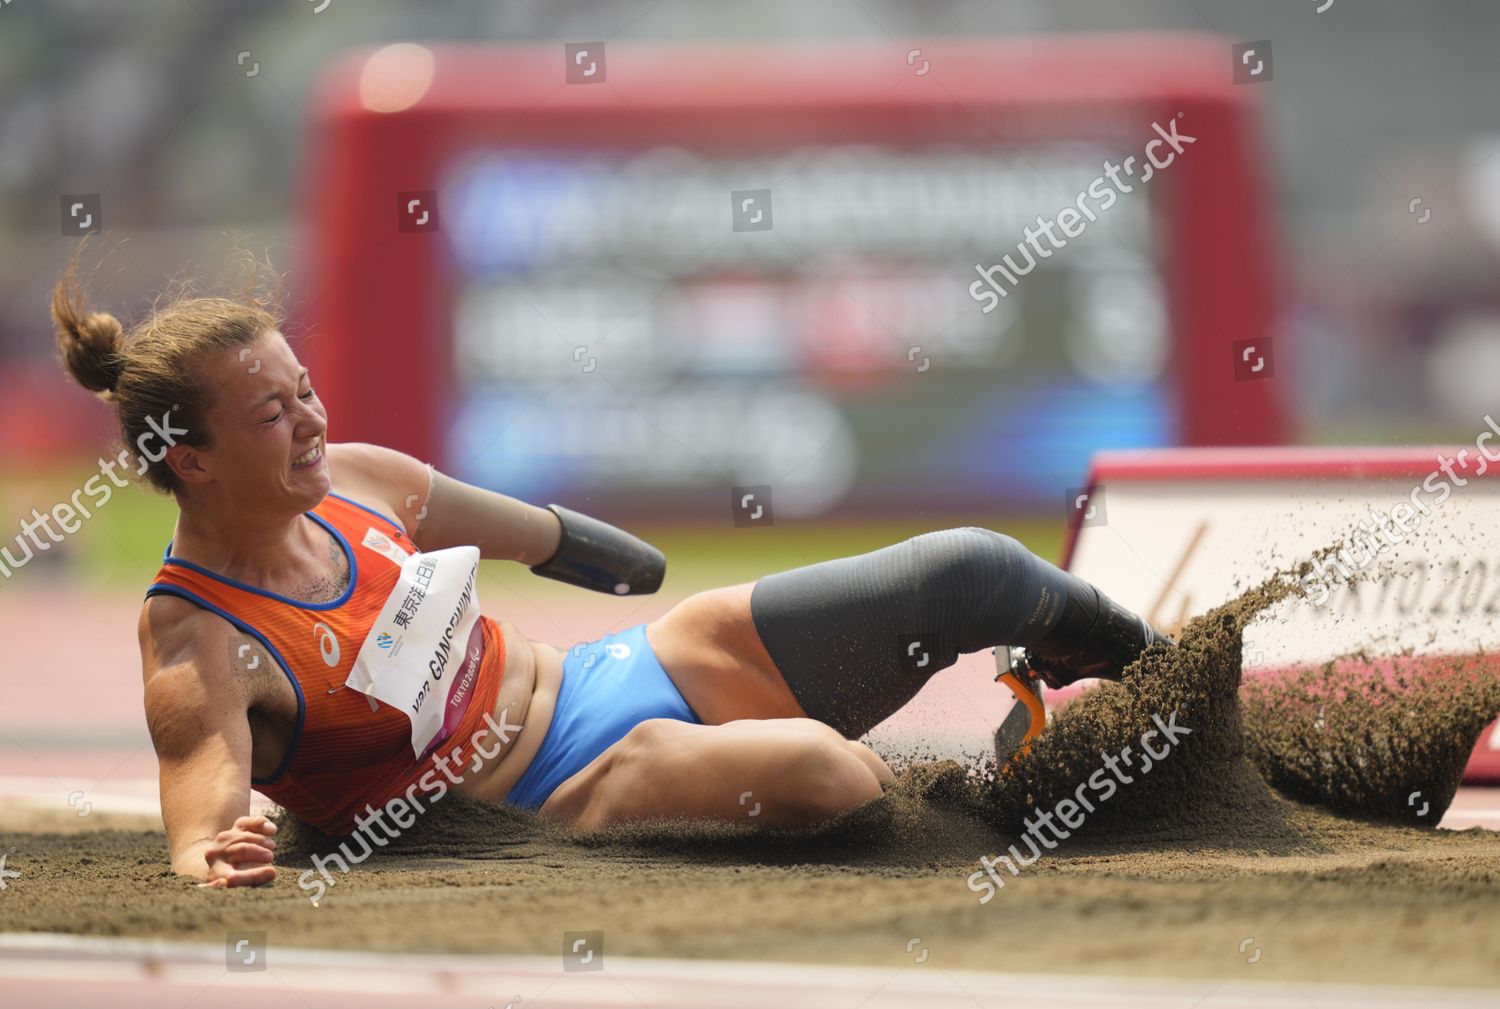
x=596, y=555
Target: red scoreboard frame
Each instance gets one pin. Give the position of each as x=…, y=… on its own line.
x=372, y=300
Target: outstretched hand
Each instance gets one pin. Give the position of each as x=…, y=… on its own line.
x=241, y=855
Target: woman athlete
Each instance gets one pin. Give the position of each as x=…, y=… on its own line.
x=315, y=632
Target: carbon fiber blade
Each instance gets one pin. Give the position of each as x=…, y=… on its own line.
x=1012, y=733
x=1024, y=720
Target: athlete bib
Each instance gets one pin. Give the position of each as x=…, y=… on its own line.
x=423, y=652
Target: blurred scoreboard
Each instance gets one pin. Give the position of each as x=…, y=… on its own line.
x=751, y=264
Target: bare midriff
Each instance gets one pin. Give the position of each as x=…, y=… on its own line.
x=523, y=711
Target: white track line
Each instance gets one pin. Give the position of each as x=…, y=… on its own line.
x=89, y=970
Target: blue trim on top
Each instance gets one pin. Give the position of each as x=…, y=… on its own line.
x=298, y=603
x=363, y=507
x=196, y=600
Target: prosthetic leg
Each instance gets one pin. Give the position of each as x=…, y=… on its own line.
x=1028, y=717
x=855, y=638
x=1095, y=638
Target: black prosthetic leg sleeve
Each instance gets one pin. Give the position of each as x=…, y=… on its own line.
x=857, y=637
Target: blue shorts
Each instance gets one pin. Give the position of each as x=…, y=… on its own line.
x=609, y=687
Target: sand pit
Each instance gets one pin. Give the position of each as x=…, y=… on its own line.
x=1195, y=868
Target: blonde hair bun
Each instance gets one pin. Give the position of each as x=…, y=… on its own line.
x=90, y=348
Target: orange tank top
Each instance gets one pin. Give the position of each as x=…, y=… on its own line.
x=396, y=679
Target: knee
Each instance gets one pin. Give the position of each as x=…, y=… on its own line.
x=878, y=767
x=833, y=778
x=992, y=549
x=970, y=554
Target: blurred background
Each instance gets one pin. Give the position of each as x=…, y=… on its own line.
x=718, y=356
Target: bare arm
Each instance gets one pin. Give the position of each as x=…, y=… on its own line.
x=500, y=526
x=198, y=715
x=438, y=511
x=555, y=542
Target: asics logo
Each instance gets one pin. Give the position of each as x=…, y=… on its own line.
x=328, y=644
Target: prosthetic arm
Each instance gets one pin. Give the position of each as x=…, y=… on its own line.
x=596, y=555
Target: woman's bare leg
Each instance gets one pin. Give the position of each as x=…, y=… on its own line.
x=771, y=772
x=709, y=647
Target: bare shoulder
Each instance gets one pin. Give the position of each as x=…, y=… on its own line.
x=391, y=482
x=171, y=626
x=174, y=633
x=185, y=665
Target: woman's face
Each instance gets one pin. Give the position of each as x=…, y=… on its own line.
x=267, y=429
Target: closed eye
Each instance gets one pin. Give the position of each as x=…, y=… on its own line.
x=304, y=396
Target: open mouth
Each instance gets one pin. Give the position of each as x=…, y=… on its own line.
x=311, y=457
